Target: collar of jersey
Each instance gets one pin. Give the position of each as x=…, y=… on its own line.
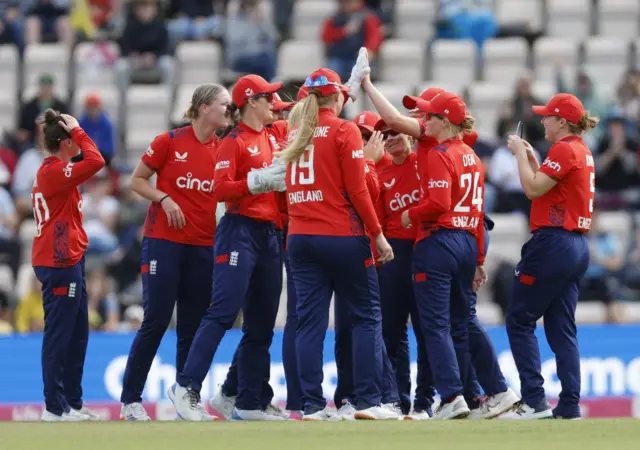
x=193, y=133
x=248, y=129
x=570, y=138
x=449, y=141
x=328, y=111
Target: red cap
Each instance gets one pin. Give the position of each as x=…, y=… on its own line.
x=445, y=104
x=279, y=105
x=92, y=100
x=326, y=82
x=381, y=125
x=302, y=93
x=250, y=86
x=566, y=106
x=410, y=101
x=470, y=138
x=367, y=120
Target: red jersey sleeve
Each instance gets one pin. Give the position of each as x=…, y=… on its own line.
x=438, y=197
x=226, y=188
x=373, y=33
x=559, y=162
x=156, y=155
x=373, y=184
x=330, y=33
x=61, y=176
x=352, y=163
x=427, y=140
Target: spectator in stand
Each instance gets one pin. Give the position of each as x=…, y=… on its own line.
x=36, y=106
x=49, y=21
x=631, y=271
x=352, y=27
x=628, y=103
x=104, y=310
x=11, y=23
x=25, y=174
x=519, y=109
x=250, y=40
x=29, y=315
x=144, y=46
x=601, y=280
x=191, y=19
x=617, y=163
x=5, y=315
x=10, y=247
x=103, y=12
x=96, y=123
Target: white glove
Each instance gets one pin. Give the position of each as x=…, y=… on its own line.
x=358, y=72
x=268, y=179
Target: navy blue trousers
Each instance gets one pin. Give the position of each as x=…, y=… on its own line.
x=444, y=266
x=289, y=345
x=547, y=279
x=247, y=276
x=66, y=334
x=171, y=272
x=398, y=304
x=321, y=265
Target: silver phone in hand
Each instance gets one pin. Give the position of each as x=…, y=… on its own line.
x=520, y=129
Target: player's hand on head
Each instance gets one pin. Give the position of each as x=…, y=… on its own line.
x=68, y=122
x=480, y=278
x=385, y=251
x=175, y=216
x=374, y=150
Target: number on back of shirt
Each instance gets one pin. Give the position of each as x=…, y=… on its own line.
x=469, y=182
x=40, y=211
x=302, y=169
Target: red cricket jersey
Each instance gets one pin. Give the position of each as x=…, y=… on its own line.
x=279, y=137
x=327, y=189
x=569, y=204
x=423, y=145
x=454, y=178
x=400, y=190
x=243, y=150
x=57, y=205
x=184, y=168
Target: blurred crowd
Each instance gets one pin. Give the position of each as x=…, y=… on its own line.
x=148, y=31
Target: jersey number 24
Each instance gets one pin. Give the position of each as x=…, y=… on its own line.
x=468, y=180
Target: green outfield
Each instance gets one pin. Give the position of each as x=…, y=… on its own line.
x=622, y=434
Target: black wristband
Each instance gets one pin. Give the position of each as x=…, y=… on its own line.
x=163, y=198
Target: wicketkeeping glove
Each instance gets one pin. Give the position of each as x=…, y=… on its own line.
x=358, y=72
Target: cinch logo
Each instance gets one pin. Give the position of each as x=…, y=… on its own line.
x=438, y=184
x=181, y=158
x=223, y=165
x=355, y=154
x=196, y=184
x=68, y=169
x=553, y=165
x=402, y=201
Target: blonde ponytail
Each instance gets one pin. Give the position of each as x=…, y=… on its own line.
x=586, y=123
x=307, y=122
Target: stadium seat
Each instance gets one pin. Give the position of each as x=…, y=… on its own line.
x=6, y=280
x=23, y=284
x=182, y=102
x=591, y=312
x=394, y=92
x=352, y=109
x=298, y=59
x=308, y=17
x=108, y=94
x=520, y=11
x=46, y=58
x=606, y=58
x=9, y=66
x=457, y=88
x=414, y=19
x=550, y=51
x=93, y=75
x=618, y=18
x=488, y=312
x=198, y=62
x=402, y=60
x=147, y=115
x=486, y=100
x=27, y=232
x=619, y=223
x=510, y=226
x=504, y=59
x=453, y=61
x=543, y=90
x=569, y=18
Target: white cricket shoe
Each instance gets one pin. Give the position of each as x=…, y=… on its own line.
x=275, y=410
x=417, y=415
x=253, y=414
x=457, y=409
x=522, y=411
x=187, y=403
x=223, y=405
x=326, y=414
x=347, y=412
x=133, y=411
x=87, y=412
x=71, y=416
x=495, y=405
x=381, y=412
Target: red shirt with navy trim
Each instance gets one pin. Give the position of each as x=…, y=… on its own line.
x=400, y=190
x=454, y=197
x=423, y=145
x=241, y=151
x=569, y=204
x=184, y=169
x=57, y=206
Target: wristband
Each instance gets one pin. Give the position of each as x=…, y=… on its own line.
x=163, y=198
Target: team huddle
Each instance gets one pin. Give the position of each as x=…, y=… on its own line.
x=384, y=214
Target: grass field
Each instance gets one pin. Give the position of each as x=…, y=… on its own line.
x=621, y=434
